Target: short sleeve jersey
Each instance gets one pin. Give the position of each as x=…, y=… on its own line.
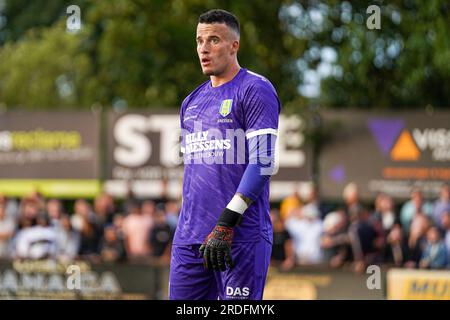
x=216, y=124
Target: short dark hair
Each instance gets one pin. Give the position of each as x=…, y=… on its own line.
x=220, y=16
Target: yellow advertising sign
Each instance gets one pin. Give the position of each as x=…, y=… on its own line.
x=418, y=284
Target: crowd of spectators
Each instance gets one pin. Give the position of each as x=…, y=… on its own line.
x=413, y=234
x=100, y=230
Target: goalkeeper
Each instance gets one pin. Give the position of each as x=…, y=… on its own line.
x=223, y=241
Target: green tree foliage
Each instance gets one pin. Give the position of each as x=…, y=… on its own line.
x=22, y=15
x=141, y=53
x=45, y=70
x=133, y=53
x=404, y=64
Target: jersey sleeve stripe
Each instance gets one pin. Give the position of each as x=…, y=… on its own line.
x=260, y=132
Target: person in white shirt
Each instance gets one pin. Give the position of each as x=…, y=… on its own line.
x=305, y=229
x=37, y=242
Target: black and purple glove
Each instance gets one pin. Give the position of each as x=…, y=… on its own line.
x=216, y=248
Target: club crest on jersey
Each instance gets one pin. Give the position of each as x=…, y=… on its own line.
x=225, y=107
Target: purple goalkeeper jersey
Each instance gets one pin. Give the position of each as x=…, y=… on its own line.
x=216, y=124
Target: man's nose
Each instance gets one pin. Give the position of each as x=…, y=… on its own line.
x=204, y=47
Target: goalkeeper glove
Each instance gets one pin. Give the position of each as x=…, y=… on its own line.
x=216, y=248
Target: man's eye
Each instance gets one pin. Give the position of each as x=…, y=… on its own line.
x=215, y=41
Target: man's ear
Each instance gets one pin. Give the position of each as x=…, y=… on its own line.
x=235, y=46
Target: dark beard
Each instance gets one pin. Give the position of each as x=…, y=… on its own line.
x=209, y=73
x=213, y=73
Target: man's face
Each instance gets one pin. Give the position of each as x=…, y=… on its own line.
x=217, y=46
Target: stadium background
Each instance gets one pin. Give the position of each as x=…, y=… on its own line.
x=88, y=138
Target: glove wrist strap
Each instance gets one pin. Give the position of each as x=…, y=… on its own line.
x=229, y=218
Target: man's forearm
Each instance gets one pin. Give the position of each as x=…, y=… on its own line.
x=259, y=170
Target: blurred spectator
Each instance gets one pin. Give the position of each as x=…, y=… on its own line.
x=85, y=222
x=362, y=238
x=351, y=199
x=89, y=238
x=335, y=241
x=37, y=242
x=172, y=212
x=111, y=246
x=148, y=208
x=54, y=211
x=103, y=209
x=384, y=212
x=442, y=205
x=136, y=228
x=35, y=197
x=417, y=239
x=161, y=237
x=414, y=205
x=82, y=211
x=383, y=219
x=29, y=212
x=11, y=207
x=305, y=229
x=7, y=228
x=289, y=204
x=435, y=254
x=130, y=197
x=396, y=250
x=446, y=228
x=118, y=225
x=311, y=196
x=282, y=251
x=68, y=239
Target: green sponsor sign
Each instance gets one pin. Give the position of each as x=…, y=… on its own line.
x=56, y=153
x=51, y=188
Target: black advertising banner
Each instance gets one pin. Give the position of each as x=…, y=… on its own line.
x=84, y=280
x=81, y=280
x=54, y=152
x=144, y=148
x=388, y=152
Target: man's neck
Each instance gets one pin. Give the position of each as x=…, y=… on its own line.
x=227, y=76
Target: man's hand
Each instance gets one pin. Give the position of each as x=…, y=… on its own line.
x=216, y=249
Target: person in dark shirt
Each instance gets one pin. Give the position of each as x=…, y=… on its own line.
x=396, y=250
x=362, y=238
x=282, y=250
x=161, y=235
x=417, y=239
x=90, y=238
x=112, y=248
